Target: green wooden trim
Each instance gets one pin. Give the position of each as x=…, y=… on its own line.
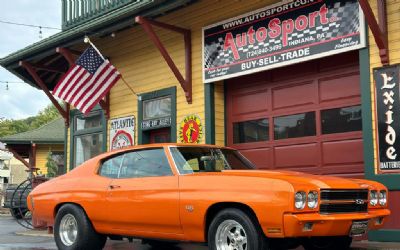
x=143, y=138
x=75, y=113
x=65, y=149
x=384, y=235
x=209, y=99
x=225, y=115
x=366, y=113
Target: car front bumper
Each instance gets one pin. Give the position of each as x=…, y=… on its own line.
x=315, y=224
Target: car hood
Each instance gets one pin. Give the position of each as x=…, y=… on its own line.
x=297, y=178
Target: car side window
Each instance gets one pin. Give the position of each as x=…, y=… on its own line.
x=111, y=166
x=145, y=163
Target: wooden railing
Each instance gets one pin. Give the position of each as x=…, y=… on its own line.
x=75, y=12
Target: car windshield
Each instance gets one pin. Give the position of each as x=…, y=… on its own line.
x=197, y=159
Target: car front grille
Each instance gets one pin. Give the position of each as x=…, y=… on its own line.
x=343, y=201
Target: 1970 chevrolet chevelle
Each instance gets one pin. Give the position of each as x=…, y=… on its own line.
x=203, y=193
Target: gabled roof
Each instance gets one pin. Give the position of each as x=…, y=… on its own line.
x=50, y=133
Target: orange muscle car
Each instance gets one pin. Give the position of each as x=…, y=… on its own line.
x=200, y=193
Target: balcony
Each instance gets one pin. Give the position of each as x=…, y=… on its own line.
x=76, y=12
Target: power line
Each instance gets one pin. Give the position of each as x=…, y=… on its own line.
x=9, y=82
x=29, y=25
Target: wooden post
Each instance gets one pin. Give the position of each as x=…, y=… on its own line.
x=28, y=67
x=379, y=30
x=186, y=84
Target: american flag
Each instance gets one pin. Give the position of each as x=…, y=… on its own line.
x=88, y=81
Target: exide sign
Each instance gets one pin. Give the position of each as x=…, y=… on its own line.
x=282, y=34
x=388, y=116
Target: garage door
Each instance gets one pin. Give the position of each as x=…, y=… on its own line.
x=305, y=117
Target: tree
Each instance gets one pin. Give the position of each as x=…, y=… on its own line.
x=51, y=166
x=10, y=127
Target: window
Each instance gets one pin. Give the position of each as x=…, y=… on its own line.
x=157, y=108
x=293, y=126
x=110, y=167
x=250, y=131
x=341, y=120
x=58, y=157
x=87, y=136
x=136, y=164
x=197, y=159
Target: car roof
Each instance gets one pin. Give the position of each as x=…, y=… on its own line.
x=159, y=145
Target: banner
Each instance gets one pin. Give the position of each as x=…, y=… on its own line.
x=281, y=34
x=388, y=116
x=122, y=132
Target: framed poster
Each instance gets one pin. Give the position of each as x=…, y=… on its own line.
x=388, y=117
x=122, y=132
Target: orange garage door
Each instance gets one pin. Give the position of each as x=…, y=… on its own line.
x=305, y=117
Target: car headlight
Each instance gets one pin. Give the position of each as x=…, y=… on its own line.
x=312, y=199
x=300, y=200
x=382, y=198
x=373, y=197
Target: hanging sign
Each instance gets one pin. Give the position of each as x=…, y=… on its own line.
x=388, y=116
x=281, y=34
x=190, y=130
x=122, y=132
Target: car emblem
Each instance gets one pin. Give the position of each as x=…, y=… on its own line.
x=359, y=202
x=189, y=208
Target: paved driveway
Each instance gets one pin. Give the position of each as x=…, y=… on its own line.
x=15, y=237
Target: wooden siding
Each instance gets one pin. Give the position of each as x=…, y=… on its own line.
x=393, y=7
x=144, y=69
x=41, y=154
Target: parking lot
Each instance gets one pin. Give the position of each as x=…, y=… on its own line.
x=14, y=237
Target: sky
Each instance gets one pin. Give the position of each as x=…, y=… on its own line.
x=22, y=100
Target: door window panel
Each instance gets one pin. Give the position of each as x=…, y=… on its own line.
x=294, y=126
x=87, y=146
x=341, y=120
x=250, y=131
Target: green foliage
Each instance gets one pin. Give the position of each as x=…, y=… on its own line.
x=10, y=127
x=51, y=166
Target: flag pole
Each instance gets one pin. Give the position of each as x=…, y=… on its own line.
x=87, y=40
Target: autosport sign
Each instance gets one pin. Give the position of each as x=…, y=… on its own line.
x=285, y=33
x=387, y=80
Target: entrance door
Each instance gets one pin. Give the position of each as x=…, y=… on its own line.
x=160, y=135
x=305, y=117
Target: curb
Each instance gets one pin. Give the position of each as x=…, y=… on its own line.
x=35, y=233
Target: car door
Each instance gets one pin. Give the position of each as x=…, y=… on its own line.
x=145, y=197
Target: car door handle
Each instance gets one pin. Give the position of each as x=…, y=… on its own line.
x=114, y=186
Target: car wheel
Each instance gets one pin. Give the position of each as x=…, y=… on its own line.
x=327, y=243
x=73, y=230
x=234, y=229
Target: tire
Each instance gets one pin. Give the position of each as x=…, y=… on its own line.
x=72, y=218
x=327, y=243
x=233, y=227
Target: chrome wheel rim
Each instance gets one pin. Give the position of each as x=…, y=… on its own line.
x=231, y=236
x=68, y=229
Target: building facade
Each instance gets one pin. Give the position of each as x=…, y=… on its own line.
x=290, y=84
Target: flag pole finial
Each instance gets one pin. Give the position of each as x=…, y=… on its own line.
x=86, y=39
